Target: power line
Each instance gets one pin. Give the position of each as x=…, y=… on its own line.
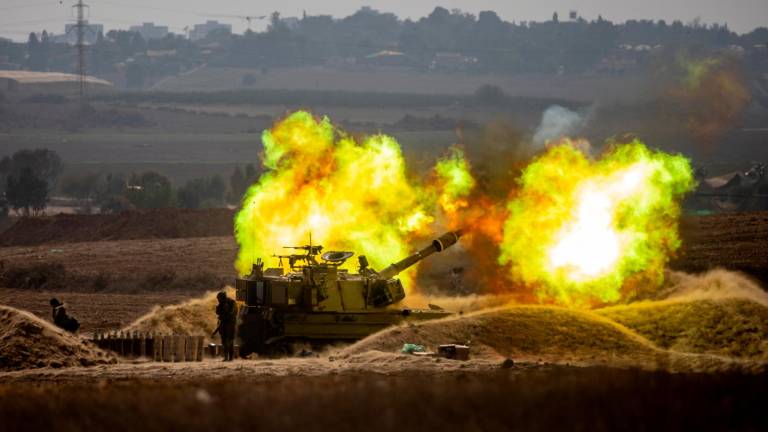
x=25, y=6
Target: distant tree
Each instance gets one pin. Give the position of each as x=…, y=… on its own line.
x=83, y=188
x=202, y=193
x=113, y=185
x=37, y=59
x=239, y=182
x=488, y=94
x=135, y=75
x=150, y=190
x=32, y=41
x=45, y=164
x=27, y=193
x=217, y=188
x=250, y=174
x=236, y=185
x=111, y=194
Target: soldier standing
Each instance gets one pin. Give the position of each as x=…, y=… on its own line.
x=227, y=313
x=60, y=317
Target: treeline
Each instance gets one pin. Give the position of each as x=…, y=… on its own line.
x=29, y=177
x=570, y=45
x=484, y=95
x=295, y=97
x=114, y=193
x=484, y=42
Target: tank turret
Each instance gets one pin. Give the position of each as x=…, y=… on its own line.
x=317, y=301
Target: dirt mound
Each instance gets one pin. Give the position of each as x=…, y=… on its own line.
x=194, y=317
x=714, y=284
x=730, y=327
x=131, y=225
x=551, y=334
x=529, y=332
x=26, y=342
x=717, y=312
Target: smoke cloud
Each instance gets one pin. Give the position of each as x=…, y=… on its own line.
x=558, y=122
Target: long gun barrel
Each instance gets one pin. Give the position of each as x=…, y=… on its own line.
x=438, y=245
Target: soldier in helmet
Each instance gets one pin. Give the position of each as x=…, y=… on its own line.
x=60, y=317
x=226, y=310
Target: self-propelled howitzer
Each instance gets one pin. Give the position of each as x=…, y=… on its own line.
x=319, y=302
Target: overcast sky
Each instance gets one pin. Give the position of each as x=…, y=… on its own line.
x=19, y=17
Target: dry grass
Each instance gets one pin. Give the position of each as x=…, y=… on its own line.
x=728, y=327
x=193, y=317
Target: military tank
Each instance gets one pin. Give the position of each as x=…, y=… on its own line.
x=318, y=302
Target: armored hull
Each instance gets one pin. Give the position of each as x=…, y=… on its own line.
x=318, y=302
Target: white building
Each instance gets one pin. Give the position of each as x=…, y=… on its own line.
x=149, y=30
x=200, y=31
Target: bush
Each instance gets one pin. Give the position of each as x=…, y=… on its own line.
x=150, y=190
x=115, y=204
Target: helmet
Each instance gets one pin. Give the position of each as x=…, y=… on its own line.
x=55, y=302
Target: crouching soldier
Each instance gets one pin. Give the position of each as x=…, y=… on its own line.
x=60, y=317
x=227, y=313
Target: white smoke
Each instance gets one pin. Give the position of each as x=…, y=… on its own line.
x=557, y=122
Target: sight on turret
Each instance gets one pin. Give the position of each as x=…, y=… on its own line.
x=319, y=302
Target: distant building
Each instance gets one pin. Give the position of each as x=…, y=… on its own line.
x=452, y=61
x=385, y=58
x=90, y=33
x=200, y=31
x=161, y=53
x=291, y=22
x=149, y=30
x=48, y=82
